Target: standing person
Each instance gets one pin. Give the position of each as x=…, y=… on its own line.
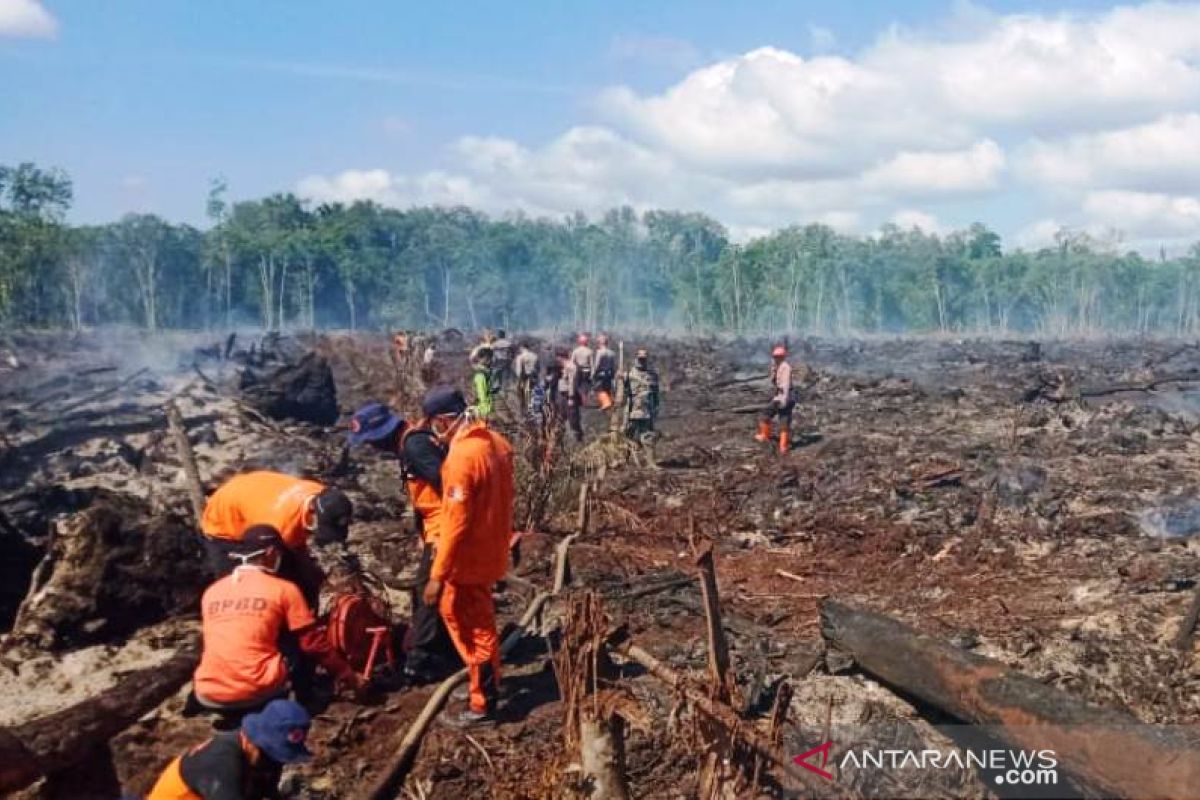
x=429, y=653
x=783, y=401
x=476, y=526
x=570, y=394
x=429, y=370
x=604, y=373
x=583, y=357
x=525, y=367
x=501, y=360
x=245, y=764
x=295, y=507
x=248, y=619
x=641, y=390
x=481, y=381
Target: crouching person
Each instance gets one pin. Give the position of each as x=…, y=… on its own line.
x=298, y=509
x=260, y=636
x=240, y=765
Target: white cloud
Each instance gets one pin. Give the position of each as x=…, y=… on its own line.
x=26, y=19
x=1037, y=235
x=1145, y=213
x=911, y=218
x=1093, y=114
x=1159, y=155
x=920, y=173
x=379, y=185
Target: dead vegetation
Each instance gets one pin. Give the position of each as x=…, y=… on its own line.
x=1030, y=505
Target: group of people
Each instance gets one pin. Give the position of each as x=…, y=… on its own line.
x=262, y=638
x=558, y=392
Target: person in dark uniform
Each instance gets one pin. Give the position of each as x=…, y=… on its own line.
x=429, y=653
x=245, y=764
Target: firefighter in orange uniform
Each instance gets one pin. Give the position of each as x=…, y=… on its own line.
x=473, y=545
x=295, y=507
x=247, y=618
x=245, y=764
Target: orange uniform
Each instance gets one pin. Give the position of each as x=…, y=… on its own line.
x=428, y=504
x=262, y=498
x=473, y=546
x=243, y=615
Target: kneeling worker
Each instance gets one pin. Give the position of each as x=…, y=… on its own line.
x=240, y=765
x=473, y=545
x=245, y=615
x=295, y=507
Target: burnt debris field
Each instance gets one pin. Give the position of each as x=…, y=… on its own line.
x=990, y=532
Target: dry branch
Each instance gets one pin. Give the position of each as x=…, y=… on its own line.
x=1096, y=744
x=60, y=740
x=726, y=716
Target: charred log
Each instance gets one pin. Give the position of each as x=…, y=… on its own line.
x=1095, y=744
x=303, y=391
x=107, y=571
x=60, y=740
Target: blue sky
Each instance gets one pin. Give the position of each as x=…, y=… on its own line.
x=762, y=113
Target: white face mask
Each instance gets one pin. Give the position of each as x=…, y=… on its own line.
x=244, y=558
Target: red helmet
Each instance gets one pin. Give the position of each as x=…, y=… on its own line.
x=583, y=338
x=779, y=352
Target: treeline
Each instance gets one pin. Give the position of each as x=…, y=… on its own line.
x=281, y=263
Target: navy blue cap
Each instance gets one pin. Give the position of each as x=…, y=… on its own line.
x=279, y=730
x=443, y=400
x=372, y=423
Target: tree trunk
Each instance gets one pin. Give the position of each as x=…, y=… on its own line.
x=1096, y=744
x=228, y=286
x=602, y=747
x=351, y=304
x=279, y=318
x=60, y=740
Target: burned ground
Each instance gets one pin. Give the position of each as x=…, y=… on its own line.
x=1030, y=502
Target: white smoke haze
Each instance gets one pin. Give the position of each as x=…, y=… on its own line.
x=1047, y=113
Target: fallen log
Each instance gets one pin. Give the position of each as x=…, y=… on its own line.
x=59, y=741
x=1095, y=744
x=191, y=472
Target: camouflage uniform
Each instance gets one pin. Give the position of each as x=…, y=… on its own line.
x=641, y=401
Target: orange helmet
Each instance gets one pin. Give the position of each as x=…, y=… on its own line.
x=779, y=352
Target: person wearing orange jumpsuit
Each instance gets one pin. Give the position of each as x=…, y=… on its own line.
x=473, y=544
x=295, y=507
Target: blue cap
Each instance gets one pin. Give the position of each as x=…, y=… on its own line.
x=443, y=400
x=279, y=730
x=373, y=422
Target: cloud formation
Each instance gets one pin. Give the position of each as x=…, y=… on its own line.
x=1088, y=119
x=26, y=19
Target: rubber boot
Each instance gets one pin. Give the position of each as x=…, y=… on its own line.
x=785, y=441
x=764, y=431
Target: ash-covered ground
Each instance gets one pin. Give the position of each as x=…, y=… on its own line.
x=1032, y=502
